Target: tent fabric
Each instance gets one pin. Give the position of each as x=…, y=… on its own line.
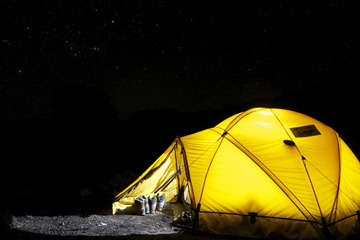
x=264, y=173
x=155, y=177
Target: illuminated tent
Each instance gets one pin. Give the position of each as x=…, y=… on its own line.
x=261, y=173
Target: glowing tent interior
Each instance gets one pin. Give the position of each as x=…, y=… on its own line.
x=260, y=173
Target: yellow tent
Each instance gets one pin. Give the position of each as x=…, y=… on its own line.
x=265, y=173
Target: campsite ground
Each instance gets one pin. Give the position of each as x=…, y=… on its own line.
x=151, y=226
x=159, y=226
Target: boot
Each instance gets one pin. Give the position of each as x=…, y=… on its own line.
x=160, y=201
x=139, y=206
x=152, y=203
x=146, y=203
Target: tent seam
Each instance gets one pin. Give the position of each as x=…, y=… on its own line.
x=307, y=172
x=273, y=179
x=241, y=116
x=335, y=204
x=207, y=172
x=342, y=219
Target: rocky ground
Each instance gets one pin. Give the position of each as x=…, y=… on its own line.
x=161, y=225
x=158, y=226
x=95, y=225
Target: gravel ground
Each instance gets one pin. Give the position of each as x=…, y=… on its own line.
x=150, y=226
x=157, y=226
x=95, y=225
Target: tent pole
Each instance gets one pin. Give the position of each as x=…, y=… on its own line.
x=162, y=187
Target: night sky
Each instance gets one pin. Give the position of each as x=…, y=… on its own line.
x=187, y=55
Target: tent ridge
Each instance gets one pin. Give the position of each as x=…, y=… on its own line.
x=240, y=116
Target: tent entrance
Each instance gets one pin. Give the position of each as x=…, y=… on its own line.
x=166, y=174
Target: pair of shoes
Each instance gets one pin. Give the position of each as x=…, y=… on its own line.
x=156, y=202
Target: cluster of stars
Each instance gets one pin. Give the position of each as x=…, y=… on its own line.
x=218, y=47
